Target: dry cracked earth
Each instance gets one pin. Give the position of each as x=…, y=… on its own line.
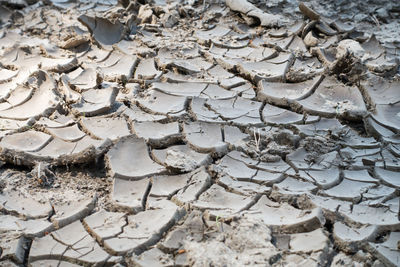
x=191, y=133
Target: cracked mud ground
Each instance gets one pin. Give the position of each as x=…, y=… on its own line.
x=186, y=133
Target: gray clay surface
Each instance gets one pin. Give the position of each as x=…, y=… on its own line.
x=199, y=133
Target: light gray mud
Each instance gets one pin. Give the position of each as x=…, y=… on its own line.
x=191, y=133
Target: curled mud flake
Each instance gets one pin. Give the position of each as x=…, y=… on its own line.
x=60, y=152
x=190, y=65
x=380, y=216
x=70, y=96
x=301, y=159
x=382, y=65
x=325, y=28
x=373, y=47
x=353, y=140
x=299, y=47
x=74, y=41
x=206, y=36
x=58, y=65
x=103, y=31
x=311, y=40
x=321, y=127
x=342, y=27
x=217, y=92
x=359, y=175
x=308, y=12
x=267, y=178
x=248, y=9
x=29, y=228
x=231, y=83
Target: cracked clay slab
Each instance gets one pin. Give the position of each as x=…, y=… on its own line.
x=130, y=195
x=95, y=101
x=69, y=243
x=25, y=207
x=205, y=137
x=43, y=102
x=143, y=230
x=157, y=102
x=284, y=217
x=129, y=159
x=180, y=157
x=285, y=93
x=25, y=141
x=332, y=98
x=220, y=202
x=103, y=128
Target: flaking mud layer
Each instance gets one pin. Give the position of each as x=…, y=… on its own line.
x=199, y=133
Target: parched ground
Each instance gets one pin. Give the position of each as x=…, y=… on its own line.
x=186, y=133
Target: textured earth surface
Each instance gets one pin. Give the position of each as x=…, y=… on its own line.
x=191, y=133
